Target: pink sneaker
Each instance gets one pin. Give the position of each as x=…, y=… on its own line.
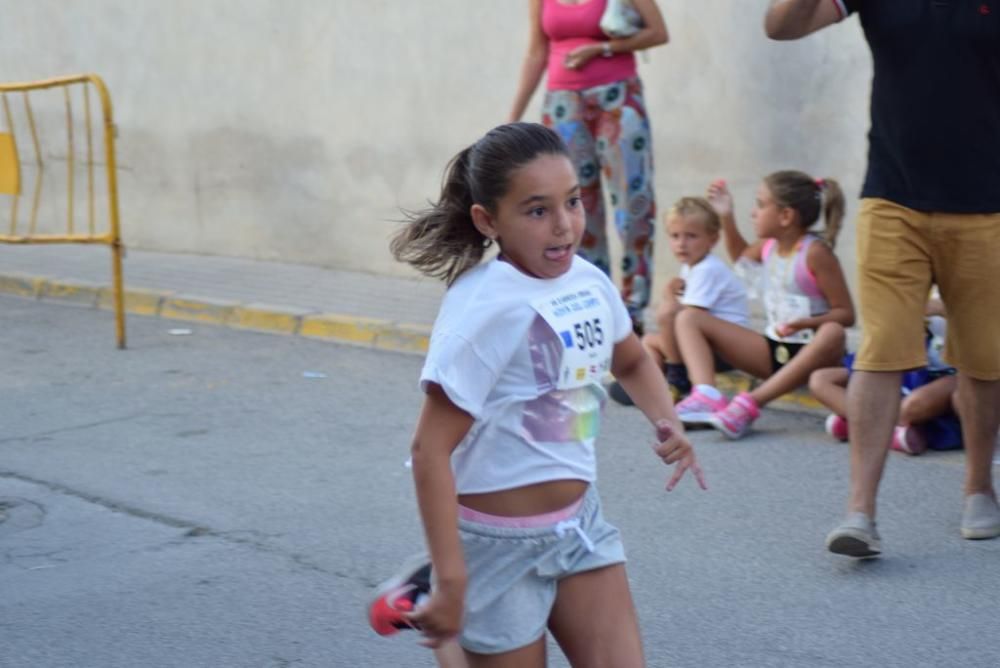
x=698, y=409
x=735, y=419
x=836, y=426
x=908, y=439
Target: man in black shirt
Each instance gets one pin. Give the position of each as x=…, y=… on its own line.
x=930, y=214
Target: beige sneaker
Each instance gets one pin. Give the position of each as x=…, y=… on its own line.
x=855, y=537
x=981, y=517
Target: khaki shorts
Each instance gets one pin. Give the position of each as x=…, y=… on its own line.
x=901, y=252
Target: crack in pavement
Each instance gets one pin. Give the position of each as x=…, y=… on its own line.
x=79, y=427
x=193, y=530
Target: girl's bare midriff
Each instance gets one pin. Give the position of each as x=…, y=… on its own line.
x=544, y=497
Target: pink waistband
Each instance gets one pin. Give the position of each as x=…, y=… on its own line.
x=531, y=522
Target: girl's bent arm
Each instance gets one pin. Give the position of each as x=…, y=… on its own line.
x=440, y=429
x=830, y=277
x=645, y=384
x=736, y=245
x=721, y=199
x=535, y=60
x=637, y=373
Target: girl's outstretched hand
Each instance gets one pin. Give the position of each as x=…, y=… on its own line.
x=440, y=619
x=674, y=448
x=720, y=198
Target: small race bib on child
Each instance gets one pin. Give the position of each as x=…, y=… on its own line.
x=582, y=320
x=783, y=309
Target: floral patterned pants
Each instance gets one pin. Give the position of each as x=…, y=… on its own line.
x=607, y=131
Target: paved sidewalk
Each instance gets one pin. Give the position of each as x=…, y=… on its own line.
x=355, y=307
x=345, y=306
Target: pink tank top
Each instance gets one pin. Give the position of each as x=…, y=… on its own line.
x=570, y=26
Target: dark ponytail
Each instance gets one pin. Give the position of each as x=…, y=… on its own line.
x=441, y=241
x=810, y=197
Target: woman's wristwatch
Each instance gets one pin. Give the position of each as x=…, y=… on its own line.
x=606, y=50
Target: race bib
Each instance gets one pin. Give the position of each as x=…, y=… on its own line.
x=785, y=308
x=582, y=320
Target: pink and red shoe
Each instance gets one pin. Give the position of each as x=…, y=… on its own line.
x=836, y=426
x=735, y=419
x=697, y=408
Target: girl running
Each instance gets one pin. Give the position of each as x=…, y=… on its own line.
x=503, y=454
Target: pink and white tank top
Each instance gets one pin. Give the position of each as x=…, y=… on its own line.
x=790, y=290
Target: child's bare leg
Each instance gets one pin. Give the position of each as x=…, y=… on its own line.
x=928, y=401
x=699, y=333
x=665, y=319
x=450, y=655
x=655, y=346
x=826, y=349
x=829, y=386
x=594, y=620
x=530, y=656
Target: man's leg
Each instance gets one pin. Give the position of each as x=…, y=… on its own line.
x=979, y=411
x=967, y=262
x=872, y=411
x=894, y=276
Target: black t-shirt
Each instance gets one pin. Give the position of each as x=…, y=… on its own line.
x=934, y=143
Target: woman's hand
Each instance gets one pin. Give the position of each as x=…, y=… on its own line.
x=582, y=55
x=440, y=619
x=720, y=198
x=674, y=448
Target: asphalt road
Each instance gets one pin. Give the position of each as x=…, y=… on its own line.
x=207, y=500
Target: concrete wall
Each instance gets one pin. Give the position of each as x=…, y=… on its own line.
x=295, y=130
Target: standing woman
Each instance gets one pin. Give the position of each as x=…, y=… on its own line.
x=594, y=101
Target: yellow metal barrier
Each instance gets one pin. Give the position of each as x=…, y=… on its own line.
x=15, y=164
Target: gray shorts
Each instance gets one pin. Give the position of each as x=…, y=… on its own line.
x=513, y=573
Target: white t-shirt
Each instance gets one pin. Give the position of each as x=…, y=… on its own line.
x=712, y=285
x=525, y=357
